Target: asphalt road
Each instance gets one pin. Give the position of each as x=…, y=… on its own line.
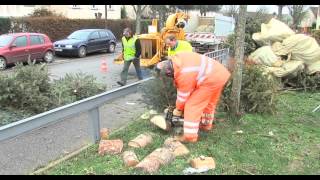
x=31, y=150
x=91, y=65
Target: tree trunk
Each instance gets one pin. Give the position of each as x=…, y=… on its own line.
x=138, y=24
x=138, y=12
x=106, y=15
x=280, y=12
x=162, y=15
x=239, y=51
x=318, y=18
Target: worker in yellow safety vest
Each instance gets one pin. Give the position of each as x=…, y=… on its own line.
x=131, y=54
x=176, y=46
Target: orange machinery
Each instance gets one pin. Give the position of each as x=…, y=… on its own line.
x=153, y=48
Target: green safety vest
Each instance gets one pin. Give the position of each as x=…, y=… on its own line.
x=182, y=46
x=129, y=48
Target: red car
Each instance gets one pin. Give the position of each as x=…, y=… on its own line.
x=19, y=47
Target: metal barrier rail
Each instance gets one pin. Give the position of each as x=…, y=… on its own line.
x=221, y=55
x=90, y=105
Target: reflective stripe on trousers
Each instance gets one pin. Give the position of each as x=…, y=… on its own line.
x=190, y=127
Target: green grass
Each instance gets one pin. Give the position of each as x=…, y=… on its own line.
x=294, y=148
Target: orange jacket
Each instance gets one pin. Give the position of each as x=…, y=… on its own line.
x=193, y=70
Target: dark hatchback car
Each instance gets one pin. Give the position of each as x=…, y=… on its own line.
x=19, y=47
x=85, y=41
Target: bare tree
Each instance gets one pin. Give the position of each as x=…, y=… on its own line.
x=208, y=8
x=298, y=13
x=138, y=9
x=280, y=7
x=318, y=18
x=106, y=14
x=162, y=12
x=232, y=11
x=239, y=51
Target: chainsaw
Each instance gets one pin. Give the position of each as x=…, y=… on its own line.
x=169, y=122
x=172, y=120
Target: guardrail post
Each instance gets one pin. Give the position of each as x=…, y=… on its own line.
x=94, y=124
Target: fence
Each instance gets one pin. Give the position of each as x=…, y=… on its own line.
x=221, y=55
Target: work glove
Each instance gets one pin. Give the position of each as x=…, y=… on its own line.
x=177, y=116
x=177, y=112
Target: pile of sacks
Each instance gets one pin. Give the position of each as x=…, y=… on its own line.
x=284, y=52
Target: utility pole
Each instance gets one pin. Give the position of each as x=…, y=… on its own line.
x=106, y=14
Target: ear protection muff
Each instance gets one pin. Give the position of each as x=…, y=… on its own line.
x=165, y=67
x=169, y=68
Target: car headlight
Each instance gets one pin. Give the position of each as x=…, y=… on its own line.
x=69, y=46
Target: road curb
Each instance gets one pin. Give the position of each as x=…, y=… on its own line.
x=56, y=162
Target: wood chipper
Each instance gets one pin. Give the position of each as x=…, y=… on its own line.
x=153, y=48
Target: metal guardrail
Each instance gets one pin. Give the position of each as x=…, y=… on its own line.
x=90, y=105
x=221, y=55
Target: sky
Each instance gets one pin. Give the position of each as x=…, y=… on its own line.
x=271, y=8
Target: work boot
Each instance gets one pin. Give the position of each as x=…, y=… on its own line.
x=206, y=128
x=121, y=83
x=206, y=123
x=187, y=138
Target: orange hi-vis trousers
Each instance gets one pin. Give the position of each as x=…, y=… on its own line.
x=200, y=81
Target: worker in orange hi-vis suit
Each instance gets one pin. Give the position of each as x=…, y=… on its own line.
x=199, y=81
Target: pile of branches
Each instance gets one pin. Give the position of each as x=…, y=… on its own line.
x=302, y=81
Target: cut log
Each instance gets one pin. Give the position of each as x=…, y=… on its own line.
x=160, y=121
x=151, y=163
x=110, y=147
x=130, y=158
x=104, y=133
x=203, y=162
x=176, y=147
x=141, y=141
x=164, y=155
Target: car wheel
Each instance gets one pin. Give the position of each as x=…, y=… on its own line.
x=3, y=63
x=48, y=57
x=112, y=48
x=82, y=52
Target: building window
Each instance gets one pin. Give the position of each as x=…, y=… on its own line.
x=75, y=7
x=94, y=7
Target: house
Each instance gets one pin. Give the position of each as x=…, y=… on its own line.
x=69, y=11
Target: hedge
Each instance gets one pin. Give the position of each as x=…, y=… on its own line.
x=4, y=25
x=59, y=28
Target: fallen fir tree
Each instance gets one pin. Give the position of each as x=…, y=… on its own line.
x=258, y=93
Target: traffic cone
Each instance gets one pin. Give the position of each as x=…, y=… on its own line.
x=103, y=67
